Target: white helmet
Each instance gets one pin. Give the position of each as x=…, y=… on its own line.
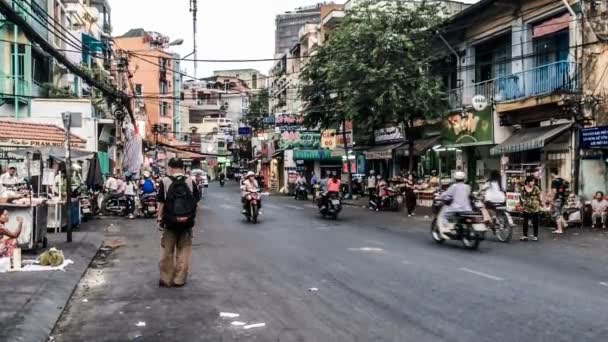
x=460, y=176
x=371, y=172
x=250, y=173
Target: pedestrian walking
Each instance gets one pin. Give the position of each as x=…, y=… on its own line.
x=130, y=190
x=558, y=196
x=177, y=197
x=410, y=195
x=530, y=200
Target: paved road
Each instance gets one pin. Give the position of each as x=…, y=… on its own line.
x=366, y=277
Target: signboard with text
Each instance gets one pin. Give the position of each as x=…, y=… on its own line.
x=594, y=137
x=328, y=139
x=469, y=128
x=300, y=139
x=388, y=134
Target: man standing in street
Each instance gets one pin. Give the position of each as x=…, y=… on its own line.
x=177, y=197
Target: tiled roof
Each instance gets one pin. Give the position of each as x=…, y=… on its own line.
x=35, y=132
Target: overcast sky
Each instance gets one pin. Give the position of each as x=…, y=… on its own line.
x=227, y=29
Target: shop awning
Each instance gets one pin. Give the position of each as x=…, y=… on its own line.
x=529, y=139
x=312, y=155
x=420, y=146
x=381, y=152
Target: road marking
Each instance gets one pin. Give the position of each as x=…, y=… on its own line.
x=227, y=206
x=272, y=206
x=312, y=206
x=293, y=207
x=481, y=274
x=366, y=249
x=604, y=284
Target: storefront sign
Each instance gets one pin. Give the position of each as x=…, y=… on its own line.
x=222, y=160
x=269, y=120
x=468, y=129
x=388, y=134
x=340, y=139
x=40, y=143
x=377, y=155
x=244, y=130
x=300, y=139
x=328, y=139
x=288, y=122
x=594, y=137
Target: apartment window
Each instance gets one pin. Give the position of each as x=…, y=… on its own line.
x=164, y=87
x=166, y=129
x=164, y=109
x=164, y=63
x=254, y=81
x=139, y=89
x=182, y=96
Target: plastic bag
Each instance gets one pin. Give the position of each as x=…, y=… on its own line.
x=52, y=257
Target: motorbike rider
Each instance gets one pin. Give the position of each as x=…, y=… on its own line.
x=222, y=177
x=459, y=195
x=111, y=187
x=147, y=185
x=333, y=190
x=493, y=194
x=250, y=184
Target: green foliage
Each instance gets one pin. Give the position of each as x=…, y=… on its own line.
x=375, y=68
x=49, y=90
x=258, y=109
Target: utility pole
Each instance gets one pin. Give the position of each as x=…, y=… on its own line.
x=194, y=10
x=350, y=172
x=67, y=123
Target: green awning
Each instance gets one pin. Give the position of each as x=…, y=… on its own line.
x=313, y=155
x=529, y=139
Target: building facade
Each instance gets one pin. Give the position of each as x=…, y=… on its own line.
x=152, y=80
x=288, y=26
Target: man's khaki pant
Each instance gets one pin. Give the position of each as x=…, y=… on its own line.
x=176, y=251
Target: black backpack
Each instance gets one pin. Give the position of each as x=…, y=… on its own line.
x=180, y=204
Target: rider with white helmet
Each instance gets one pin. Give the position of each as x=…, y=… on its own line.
x=249, y=185
x=459, y=194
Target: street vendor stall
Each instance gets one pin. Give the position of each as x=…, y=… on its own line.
x=57, y=209
x=22, y=199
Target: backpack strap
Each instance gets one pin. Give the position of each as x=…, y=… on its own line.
x=167, y=181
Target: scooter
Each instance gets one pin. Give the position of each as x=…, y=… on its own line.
x=329, y=206
x=149, y=205
x=301, y=193
x=467, y=227
x=252, y=210
x=116, y=205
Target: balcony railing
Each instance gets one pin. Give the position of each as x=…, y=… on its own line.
x=560, y=76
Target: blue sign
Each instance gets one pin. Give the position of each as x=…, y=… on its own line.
x=594, y=137
x=269, y=120
x=244, y=130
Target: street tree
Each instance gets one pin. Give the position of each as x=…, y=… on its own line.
x=258, y=110
x=376, y=69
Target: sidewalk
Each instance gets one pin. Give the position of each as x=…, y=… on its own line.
x=33, y=301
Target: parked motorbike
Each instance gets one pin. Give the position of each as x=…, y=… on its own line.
x=301, y=192
x=393, y=201
x=329, y=206
x=149, y=205
x=467, y=227
x=252, y=209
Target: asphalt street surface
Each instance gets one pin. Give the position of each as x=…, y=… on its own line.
x=366, y=277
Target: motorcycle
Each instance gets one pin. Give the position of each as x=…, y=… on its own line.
x=467, y=227
x=316, y=193
x=117, y=205
x=252, y=210
x=222, y=182
x=301, y=193
x=393, y=201
x=329, y=206
x=149, y=205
